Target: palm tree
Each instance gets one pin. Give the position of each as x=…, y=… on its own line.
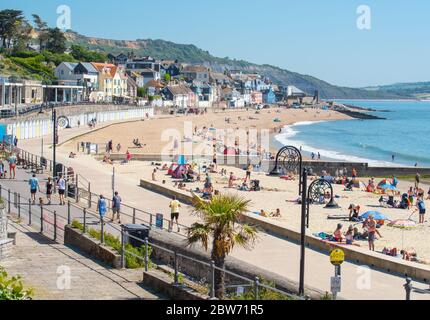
x=220, y=223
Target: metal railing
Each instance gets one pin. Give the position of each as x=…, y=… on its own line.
x=409, y=288
x=84, y=196
x=246, y=283
x=52, y=224
x=46, y=220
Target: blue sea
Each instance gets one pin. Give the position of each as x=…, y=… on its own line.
x=405, y=134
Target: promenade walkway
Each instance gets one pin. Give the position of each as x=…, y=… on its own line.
x=45, y=266
x=272, y=253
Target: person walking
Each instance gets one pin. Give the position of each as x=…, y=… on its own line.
x=61, y=184
x=12, y=165
x=248, y=172
x=174, y=211
x=15, y=141
x=34, y=186
x=101, y=207
x=421, y=208
x=417, y=180
x=116, y=206
x=49, y=186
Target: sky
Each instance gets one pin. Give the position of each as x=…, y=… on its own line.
x=314, y=37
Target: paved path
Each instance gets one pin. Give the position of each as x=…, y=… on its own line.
x=271, y=252
x=43, y=264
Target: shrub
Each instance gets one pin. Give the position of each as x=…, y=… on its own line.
x=263, y=294
x=11, y=288
x=132, y=254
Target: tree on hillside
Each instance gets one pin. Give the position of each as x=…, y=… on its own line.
x=41, y=28
x=141, y=92
x=220, y=223
x=22, y=37
x=56, y=41
x=81, y=54
x=10, y=22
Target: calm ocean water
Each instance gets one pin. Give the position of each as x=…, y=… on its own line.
x=405, y=133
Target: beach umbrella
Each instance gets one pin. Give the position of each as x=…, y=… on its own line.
x=376, y=215
x=387, y=186
x=402, y=223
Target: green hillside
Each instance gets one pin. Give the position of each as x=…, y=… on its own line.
x=420, y=90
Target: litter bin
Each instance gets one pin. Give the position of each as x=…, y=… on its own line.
x=139, y=231
x=71, y=191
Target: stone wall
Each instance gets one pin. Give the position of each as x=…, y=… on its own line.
x=85, y=243
x=353, y=254
x=363, y=169
x=6, y=243
x=199, y=271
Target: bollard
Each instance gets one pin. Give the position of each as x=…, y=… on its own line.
x=8, y=201
x=212, y=278
x=19, y=206
x=85, y=220
x=408, y=288
x=68, y=212
x=134, y=215
x=146, y=254
x=89, y=195
x=29, y=212
x=175, y=262
x=55, y=225
x=102, y=232
x=256, y=284
x=77, y=189
x=41, y=219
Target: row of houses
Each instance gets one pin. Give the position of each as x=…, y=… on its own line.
x=165, y=82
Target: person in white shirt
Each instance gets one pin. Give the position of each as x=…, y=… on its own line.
x=61, y=184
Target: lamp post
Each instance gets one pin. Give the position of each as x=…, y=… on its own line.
x=289, y=158
x=54, y=141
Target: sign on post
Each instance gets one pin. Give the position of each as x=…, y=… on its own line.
x=335, y=285
x=337, y=256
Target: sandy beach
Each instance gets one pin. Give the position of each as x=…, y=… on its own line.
x=155, y=136
x=281, y=193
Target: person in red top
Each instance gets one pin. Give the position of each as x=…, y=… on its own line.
x=127, y=156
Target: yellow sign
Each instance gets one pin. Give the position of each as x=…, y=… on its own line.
x=337, y=256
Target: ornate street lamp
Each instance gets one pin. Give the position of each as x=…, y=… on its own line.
x=289, y=158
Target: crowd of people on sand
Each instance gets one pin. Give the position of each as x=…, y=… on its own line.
x=109, y=149
x=413, y=199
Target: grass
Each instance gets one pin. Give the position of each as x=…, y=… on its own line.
x=263, y=293
x=131, y=253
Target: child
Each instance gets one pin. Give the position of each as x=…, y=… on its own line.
x=349, y=235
